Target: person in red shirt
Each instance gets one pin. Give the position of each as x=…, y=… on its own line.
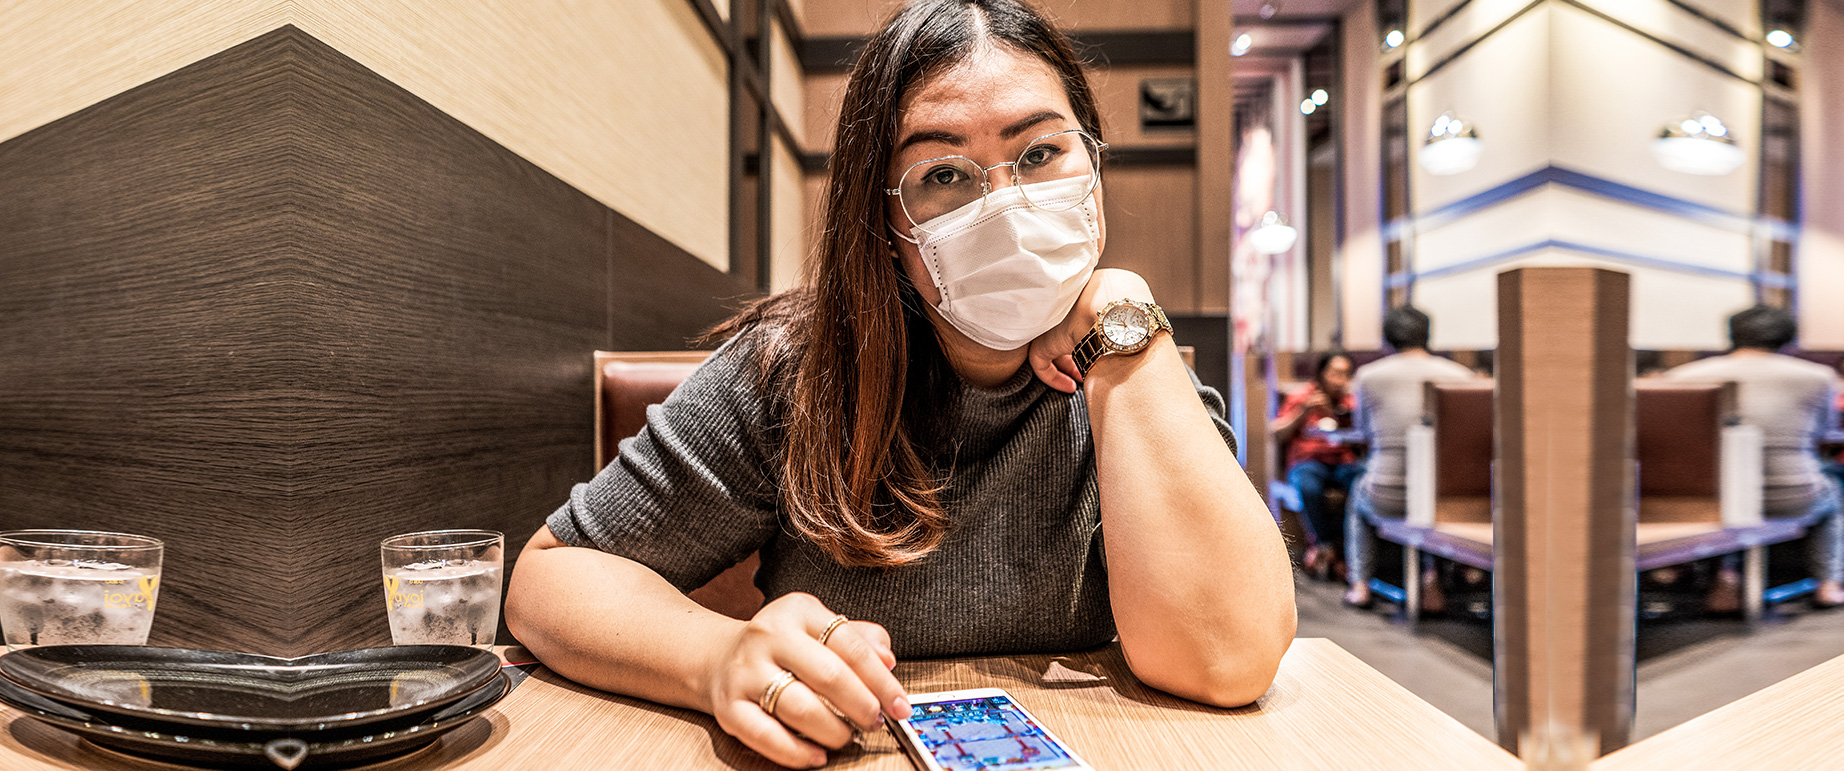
x=1319, y=460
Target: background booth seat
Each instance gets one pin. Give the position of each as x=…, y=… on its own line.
x=1698, y=486
x=1699, y=482
x=1449, y=480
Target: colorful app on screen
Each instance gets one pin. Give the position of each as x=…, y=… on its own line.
x=979, y=730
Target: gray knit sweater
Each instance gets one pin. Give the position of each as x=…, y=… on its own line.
x=1021, y=570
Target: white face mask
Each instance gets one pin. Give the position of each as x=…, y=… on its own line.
x=1008, y=271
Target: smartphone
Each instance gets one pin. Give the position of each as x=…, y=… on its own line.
x=982, y=729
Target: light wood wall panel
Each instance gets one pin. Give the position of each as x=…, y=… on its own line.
x=625, y=100
x=1213, y=206
x=824, y=93
x=1821, y=244
x=828, y=18
x=1152, y=229
x=786, y=84
x=788, y=225
x=1139, y=14
x=1361, y=253
x=61, y=56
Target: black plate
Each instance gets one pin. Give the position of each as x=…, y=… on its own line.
x=225, y=690
x=305, y=749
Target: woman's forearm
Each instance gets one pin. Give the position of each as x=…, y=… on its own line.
x=1199, y=578
x=612, y=623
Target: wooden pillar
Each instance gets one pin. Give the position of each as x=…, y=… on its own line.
x=1216, y=147
x=1564, y=531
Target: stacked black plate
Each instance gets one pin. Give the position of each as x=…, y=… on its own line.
x=219, y=708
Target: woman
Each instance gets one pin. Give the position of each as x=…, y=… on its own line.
x=910, y=443
x=1316, y=463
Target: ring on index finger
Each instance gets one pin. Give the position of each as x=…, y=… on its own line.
x=771, y=696
x=832, y=627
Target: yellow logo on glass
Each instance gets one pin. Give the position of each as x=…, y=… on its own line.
x=401, y=599
x=141, y=597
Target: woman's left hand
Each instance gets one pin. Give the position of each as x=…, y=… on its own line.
x=1050, y=352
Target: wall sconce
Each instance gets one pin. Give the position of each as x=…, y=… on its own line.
x=1452, y=146
x=1273, y=235
x=1699, y=144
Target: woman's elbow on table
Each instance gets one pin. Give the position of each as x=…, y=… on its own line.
x=521, y=595
x=1228, y=682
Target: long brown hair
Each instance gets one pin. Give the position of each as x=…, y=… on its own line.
x=871, y=388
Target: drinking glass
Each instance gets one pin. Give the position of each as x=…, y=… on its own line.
x=442, y=587
x=77, y=587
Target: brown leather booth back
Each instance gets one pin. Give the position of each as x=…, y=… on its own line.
x=628, y=388
x=1463, y=438
x=1677, y=438
x=627, y=382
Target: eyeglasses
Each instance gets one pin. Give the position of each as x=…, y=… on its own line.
x=934, y=187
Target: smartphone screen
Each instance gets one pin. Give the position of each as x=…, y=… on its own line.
x=988, y=733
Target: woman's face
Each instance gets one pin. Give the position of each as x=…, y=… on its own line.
x=987, y=108
x=1337, y=375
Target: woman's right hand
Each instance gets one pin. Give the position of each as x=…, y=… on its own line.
x=851, y=672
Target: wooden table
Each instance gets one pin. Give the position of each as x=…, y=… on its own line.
x=1327, y=710
x=1794, y=723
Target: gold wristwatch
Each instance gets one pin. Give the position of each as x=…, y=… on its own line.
x=1125, y=327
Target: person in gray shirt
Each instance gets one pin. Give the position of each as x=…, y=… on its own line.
x=1793, y=401
x=1389, y=401
x=924, y=441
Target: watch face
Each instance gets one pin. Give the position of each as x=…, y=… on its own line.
x=1126, y=326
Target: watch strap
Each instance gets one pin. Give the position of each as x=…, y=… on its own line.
x=1088, y=349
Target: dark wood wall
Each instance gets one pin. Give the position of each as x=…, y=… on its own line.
x=272, y=308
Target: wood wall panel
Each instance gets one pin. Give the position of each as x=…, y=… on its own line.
x=1820, y=260
x=828, y=18
x=1152, y=229
x=1361, y=246
x=825, y=92
x=272, y=308
x=1216, y=156
x=140, y=390
x=625, y=100
x=61, y=56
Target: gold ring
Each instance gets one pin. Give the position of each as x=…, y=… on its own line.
x=771, y=696
x=832, y=627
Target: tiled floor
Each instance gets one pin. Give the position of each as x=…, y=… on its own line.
x=1686, y=668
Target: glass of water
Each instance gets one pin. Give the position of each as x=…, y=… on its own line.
x=77, y=587
x=442, y=587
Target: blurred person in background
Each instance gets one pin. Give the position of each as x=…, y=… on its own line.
x=1793, y=401
x=1319, y=461
x=1389, y=401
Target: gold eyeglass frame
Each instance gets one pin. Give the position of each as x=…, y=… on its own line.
x=986, y=178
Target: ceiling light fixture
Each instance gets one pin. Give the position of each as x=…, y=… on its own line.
x=1699, y=144
x=1780, y=39
x=1241, y=46
x=1320, y=97
x=1393, y=39
x=1452, y=146
x=1307, y=107
x=1273, y=235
